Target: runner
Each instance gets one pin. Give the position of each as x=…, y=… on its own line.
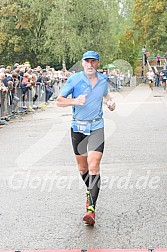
x=163, y=75
x=87, y=88
x=150, y=76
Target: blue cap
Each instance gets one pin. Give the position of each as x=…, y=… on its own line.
x=91, y=55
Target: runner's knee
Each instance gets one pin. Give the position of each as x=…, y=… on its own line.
x=94, y=166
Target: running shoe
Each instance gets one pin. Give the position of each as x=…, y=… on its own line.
x=89, y=217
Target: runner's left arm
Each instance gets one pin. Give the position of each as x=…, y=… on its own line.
x=109, y=102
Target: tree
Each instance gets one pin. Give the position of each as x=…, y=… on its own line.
x=150, y=20
x=23, y=28
x=56, y=31
x=78, y=26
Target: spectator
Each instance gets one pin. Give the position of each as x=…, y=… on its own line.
x=3, y=98
x=25, y=86
x=34, y=85
x=158, y=60
x=157, y=78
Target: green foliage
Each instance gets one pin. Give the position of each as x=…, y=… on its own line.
x=54, y=31
x=150, y=21
x=78, y=26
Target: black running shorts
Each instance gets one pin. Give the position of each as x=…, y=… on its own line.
x=83, y=143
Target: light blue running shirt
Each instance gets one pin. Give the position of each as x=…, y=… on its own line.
x=79, y=84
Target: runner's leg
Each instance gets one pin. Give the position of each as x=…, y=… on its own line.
x=83, y=168
x=95, y=153
x=79, y=142
x=94, y=158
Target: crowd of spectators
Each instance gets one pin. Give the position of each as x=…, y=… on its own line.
x=22, y=87
x=117, y=79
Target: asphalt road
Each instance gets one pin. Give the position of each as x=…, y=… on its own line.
x=42, y=197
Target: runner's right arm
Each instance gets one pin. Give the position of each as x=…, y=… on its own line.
x=65, y=102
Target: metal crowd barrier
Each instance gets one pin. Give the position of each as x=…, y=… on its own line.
x=12, y=104
x=21, y=101
x=30, y=97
